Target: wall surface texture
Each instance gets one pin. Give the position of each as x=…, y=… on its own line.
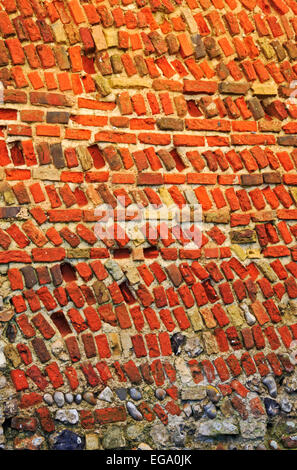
x=148, y=332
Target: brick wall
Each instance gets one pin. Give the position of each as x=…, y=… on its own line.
x=148, y=341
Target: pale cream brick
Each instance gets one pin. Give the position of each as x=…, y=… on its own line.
x=99, y=38
x=44, y=173
x=188, y=17
x=121, y=82
x=59, y=32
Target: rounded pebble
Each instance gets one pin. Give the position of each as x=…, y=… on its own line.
x=48, y=399
x=210, y=410
x=78, y=398
x=59, y=399
x=270, y=383
x=69, y=397
x=89, y=398
x=133, y=411
x=160, y=393
x=135, y=394
x=213, y=394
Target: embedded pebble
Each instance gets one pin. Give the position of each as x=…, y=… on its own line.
x=67, y=416
x=210, y=410
x=213, y=394
x=197, y=411
x=177, y=341
x=69, y=398
x=270, y=383
x=68, y=440
x=271, y=406
x=135, y=394
x=59, y=399
x=286, y=406
x=48, y=399
x=121, y=393
x=89, y=398
x=160, y=393
x=273, y=445
x=78, y=398
x=106, y=395
x=133, y=411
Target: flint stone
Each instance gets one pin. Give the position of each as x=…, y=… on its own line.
x=68, y=440
x=48, y=399
x=59, y=399
x=67, y=416
x=133, y=411
x=272, y=407
x=135, y=394
x=121, y=393
x=106, y=395
x=69, y=398
x=78, y=398
x=210, y=410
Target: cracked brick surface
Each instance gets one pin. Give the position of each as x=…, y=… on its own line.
x=148, y=342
